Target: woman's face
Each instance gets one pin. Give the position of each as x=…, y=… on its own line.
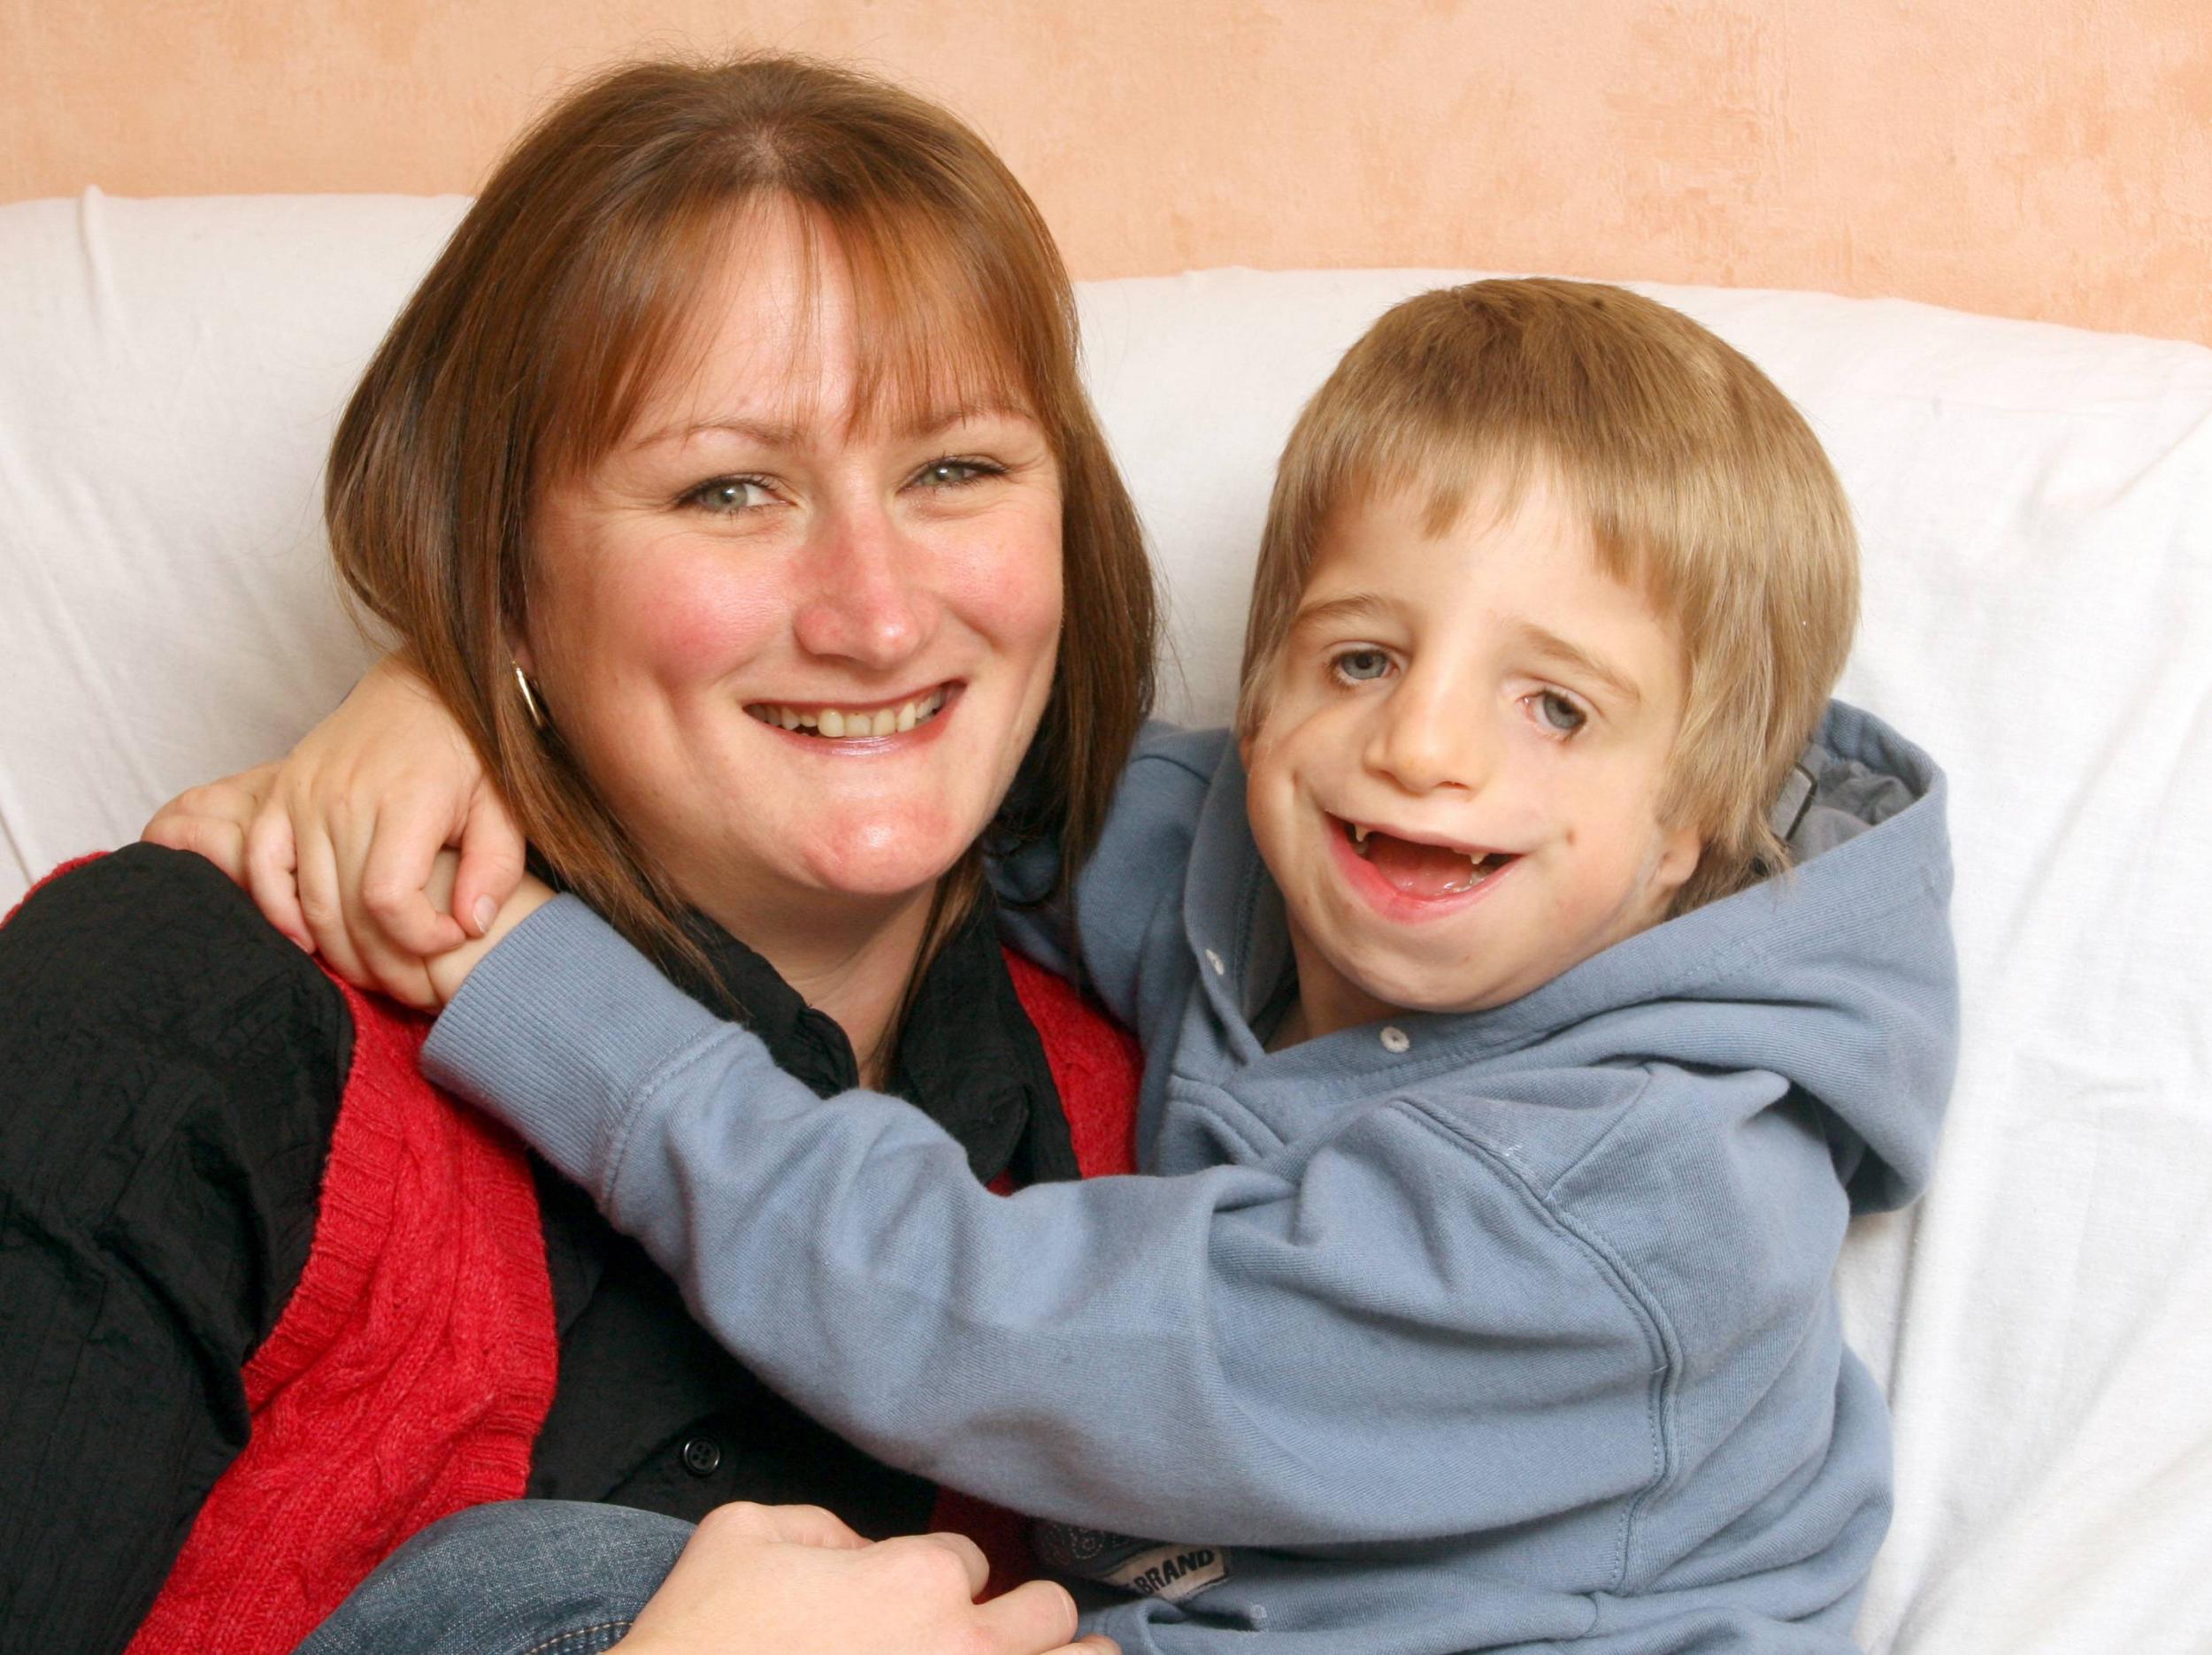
x=800, y=654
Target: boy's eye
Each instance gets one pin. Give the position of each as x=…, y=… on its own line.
x=1557, y=714
x=727, y=496
x=1360, y=666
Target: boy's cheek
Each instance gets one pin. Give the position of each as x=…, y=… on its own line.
x=1260, y=734
x=1265, y=748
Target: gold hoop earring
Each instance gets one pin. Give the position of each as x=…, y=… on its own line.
x=529, y=697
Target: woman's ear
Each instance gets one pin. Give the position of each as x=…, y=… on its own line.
x=526, y=676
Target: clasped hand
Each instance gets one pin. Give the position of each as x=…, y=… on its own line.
x=378, y=842
x=796, y=1579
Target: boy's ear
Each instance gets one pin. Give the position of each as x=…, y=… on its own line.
x=1680, y=850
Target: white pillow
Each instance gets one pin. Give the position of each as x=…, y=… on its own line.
x=2036, y=509
x=170, y=375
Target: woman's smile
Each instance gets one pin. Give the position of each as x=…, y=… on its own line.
x=851, y=725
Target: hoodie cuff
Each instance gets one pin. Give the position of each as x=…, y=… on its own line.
x=560, y=1032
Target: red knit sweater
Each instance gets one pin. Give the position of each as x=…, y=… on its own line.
x=415, y=1361
x=407, y=1377
x=1096, y=1066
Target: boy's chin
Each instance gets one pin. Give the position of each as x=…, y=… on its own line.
x=1455, y=1004
x=1396, y=985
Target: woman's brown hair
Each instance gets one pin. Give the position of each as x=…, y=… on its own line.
x=568, y=289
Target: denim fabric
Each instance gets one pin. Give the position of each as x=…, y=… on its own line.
x=520, y=1577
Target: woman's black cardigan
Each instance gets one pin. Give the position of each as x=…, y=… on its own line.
x=170, y=1071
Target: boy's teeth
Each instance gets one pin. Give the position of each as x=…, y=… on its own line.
x=836, y=725
x=1436, y=876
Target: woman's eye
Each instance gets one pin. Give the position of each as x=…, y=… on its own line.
x=1559, y=715
x=950, y=473
x=730, y=495
x=1360, y=666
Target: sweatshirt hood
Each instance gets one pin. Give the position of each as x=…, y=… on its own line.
x=1838, y=975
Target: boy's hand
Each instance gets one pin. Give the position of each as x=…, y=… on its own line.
x=797, y=1580
x=442, y=974
x=212, y=821
x=338, y=839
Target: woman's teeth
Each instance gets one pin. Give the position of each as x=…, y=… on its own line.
x=837, y=724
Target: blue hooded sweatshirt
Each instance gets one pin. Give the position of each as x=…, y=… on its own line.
x=1501, y=1330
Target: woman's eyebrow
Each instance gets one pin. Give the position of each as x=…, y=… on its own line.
x=775, y=435
x=930, y=422
x=766, y=433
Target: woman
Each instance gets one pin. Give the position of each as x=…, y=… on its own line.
x=741, y=409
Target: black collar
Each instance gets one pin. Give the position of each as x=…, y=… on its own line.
x=969, y=1057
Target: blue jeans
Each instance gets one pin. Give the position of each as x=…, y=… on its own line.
x=520, y=1577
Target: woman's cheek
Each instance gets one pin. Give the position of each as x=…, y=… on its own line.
x=697, y=624
x=1003, y=570
x=732, y=623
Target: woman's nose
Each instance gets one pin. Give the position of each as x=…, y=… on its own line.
x=863, y=597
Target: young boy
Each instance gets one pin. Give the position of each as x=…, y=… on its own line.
x=1510, y=1080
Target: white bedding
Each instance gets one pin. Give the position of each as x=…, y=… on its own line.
x=2036, y=509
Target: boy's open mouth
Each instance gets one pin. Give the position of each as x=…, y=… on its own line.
x=1419, y=870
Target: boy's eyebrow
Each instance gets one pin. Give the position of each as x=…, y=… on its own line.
x=1356, y=606
x=1550, y=643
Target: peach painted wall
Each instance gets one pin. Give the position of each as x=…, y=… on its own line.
x=2048, y=158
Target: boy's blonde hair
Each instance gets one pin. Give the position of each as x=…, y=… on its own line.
x=1701, y=485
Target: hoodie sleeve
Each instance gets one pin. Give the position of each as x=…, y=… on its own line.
x=1381, y=1333
x=1127, y=889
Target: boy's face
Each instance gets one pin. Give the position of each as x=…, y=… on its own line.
x=1457, y=777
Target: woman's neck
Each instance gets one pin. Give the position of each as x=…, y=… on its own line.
x=851, y=963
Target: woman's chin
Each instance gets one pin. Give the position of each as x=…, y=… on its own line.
x=884, y=865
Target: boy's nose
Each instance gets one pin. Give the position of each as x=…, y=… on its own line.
x=861, y=597
x=1428, y=741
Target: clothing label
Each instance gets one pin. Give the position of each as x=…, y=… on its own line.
x=1145, y=1568
x=1172, y=1572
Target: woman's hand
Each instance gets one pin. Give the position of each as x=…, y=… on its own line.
x=336, y=843
x=797, y=1580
